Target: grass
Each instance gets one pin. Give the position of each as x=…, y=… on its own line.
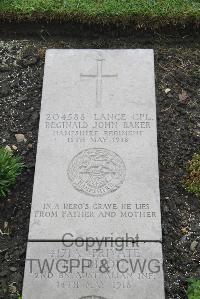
x=191, y=181
x=10, y=168
x=104, y=11
x=193, y=291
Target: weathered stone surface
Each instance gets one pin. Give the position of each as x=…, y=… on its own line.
x=101, y=271
x=97, y=169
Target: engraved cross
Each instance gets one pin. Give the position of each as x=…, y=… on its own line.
x=99, y=80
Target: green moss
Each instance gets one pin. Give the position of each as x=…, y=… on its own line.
x=193, y=291
x=10, y=168
x=191, y=181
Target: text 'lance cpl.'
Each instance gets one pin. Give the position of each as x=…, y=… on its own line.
x=121, y=117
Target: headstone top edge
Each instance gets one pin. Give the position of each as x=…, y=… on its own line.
x=100, y=50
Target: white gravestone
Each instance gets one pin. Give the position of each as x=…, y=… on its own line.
x=102, y=271
x=97, y=163
x=96, y=180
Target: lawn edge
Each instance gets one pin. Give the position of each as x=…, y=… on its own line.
x=138, y=22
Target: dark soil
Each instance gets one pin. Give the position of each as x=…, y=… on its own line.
x=148, y=21
x=178, y=110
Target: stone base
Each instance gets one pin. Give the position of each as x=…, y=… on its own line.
x=93, y=271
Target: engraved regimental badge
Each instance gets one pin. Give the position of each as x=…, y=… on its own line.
x=96, y=171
